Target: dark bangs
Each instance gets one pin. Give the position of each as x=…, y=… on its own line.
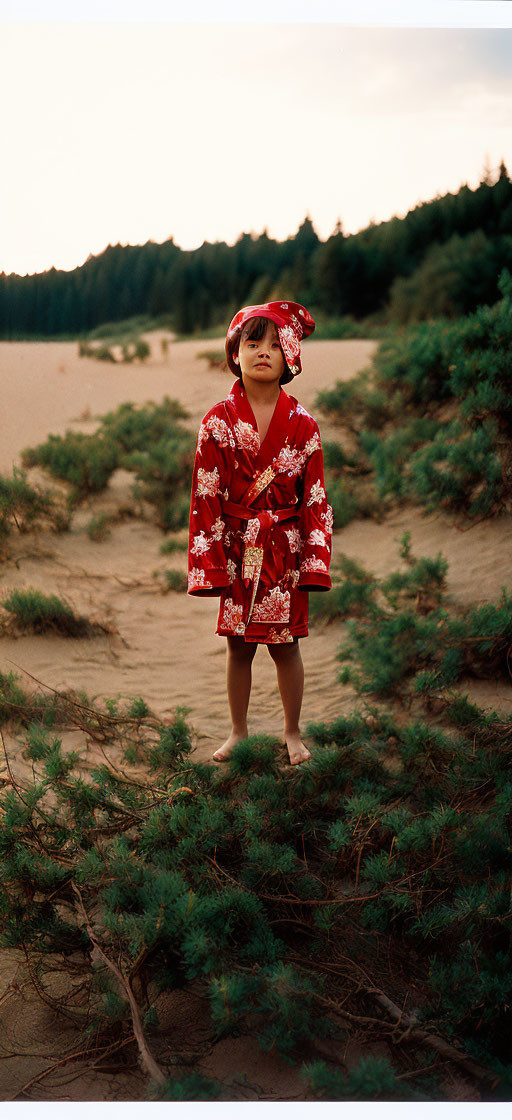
x=254, y=328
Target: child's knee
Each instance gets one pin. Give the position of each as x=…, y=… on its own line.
x=240, y=649
x=284, y=651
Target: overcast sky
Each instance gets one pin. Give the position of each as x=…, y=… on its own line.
x=122, y=132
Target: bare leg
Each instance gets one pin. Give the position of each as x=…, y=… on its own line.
x=290, y=678
x=240, y=656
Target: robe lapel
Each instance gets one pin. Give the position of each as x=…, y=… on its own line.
x=241, y=405
x=281, y=431
x=274, y=437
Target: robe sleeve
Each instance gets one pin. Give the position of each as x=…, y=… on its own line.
x=315, y=526
x=207, y=562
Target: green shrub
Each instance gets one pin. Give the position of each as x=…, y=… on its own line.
x=38, y=612
x=223, y=877
x=373, y=1079
x=25, y=506
x=389, y=455
x=343, y=499
x=348, y=596
x=356, y=401
x=173, y=545
x=131, y=427
x=87, y=462
x=136, y=349
x=459, y=471
x=150, y=441
x=193, y=1087
x=216, y=358
x=458, y=456
x=345, y=326
x=177, y=581
x=164, y=474
x=415, y=361
x=132, y=347
x=422, y=648
x=98, y=527
x=101, y=353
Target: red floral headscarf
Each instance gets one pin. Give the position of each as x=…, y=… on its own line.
x=293, y=323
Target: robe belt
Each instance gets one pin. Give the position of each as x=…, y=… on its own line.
x=259, y=522
x=245, y=513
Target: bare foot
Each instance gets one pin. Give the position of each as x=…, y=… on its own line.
x=296, y=750
x=223, y=753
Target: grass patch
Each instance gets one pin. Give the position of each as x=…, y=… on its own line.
x=149, y=441
x=173, y=545
x=216, y=359
x=403, y=639
x=24, y=507
x=176, y=580
x=87, y=462
x=39, y=613
x=98, y=528
x=132, y=349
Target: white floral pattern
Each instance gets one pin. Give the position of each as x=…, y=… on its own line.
x=328, y=518
x=220, y=431
x=253, y=528
x=291, y=575
x=247, y=439
x=207, y=483
x=313, y=444
x=294, y=539
x=313, y=564
x=290, y=461
x=202, y=436
x=218, y=529
x=197, y=578
x=201, y=544
x=274, y=607
x=232, y=617
x=316, y=494
x=276, y=637
x=231, y=570
x=317, y=537
x=290, y=344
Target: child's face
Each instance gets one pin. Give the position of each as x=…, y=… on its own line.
x=262, y=360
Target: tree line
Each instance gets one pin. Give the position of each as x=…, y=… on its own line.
x=443, y=258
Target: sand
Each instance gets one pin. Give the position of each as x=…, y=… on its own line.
x=163, y=646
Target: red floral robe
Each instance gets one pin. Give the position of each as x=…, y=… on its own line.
x=260, y=523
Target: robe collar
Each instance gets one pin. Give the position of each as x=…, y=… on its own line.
x=277, y=428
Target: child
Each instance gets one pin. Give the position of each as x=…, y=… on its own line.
x=260, y=524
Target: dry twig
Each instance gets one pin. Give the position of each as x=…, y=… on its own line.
x=150, y=1065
